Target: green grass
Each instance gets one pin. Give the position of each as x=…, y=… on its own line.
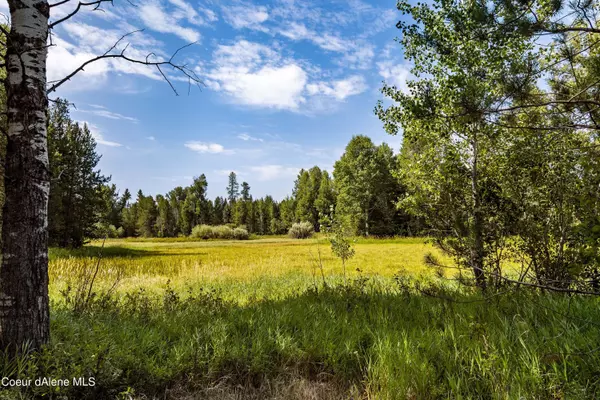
x=224, y=320
x=231, y=264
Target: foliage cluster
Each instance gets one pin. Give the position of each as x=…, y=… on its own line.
x=219, y=232
x=500, y=145
x=301, y=230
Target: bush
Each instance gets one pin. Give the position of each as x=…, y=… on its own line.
x=240, y=234
x=218, y=232
x=202, y=232
x=303, y=230
x=223, y=232
x=102, y=230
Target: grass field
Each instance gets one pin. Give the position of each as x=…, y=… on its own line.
x=258, y=319
x=241, y=268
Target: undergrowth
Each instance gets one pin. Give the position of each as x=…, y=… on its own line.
x=376, y=339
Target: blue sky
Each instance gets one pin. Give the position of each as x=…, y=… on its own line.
x=286, y=85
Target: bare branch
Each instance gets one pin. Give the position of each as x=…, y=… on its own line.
x=190, y=74
x=59, y=3
x=96, y=4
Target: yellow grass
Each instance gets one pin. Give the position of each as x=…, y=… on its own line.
x=150, y=264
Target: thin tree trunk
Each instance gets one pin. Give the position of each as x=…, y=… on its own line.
x=24, y=309
x=477, y=251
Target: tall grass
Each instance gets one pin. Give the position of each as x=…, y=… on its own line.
x=289, y=335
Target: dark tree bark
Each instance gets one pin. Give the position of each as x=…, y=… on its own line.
x=24, y=308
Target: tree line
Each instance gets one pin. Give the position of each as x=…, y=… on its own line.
x=362, y=193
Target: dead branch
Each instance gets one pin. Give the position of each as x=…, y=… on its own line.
x=190, y=74
x=95, y=4
x=60, y=3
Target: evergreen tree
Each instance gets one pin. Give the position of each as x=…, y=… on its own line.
x=176, y=199
x=218, y=214
x=243, y=208
x=325, y=198
x=233, y=188
x=303, y=195
x=165, y=221
x=147, y=215
x=200, y=203
x=110, y=216
x=76, y=187
x=130, y=220
x=287, y=212
x=188, y=213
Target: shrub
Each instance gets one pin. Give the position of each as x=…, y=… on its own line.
x=203, y=232
x=303, y=230
x=218, y=232
x=223, y=232
x=240, y=234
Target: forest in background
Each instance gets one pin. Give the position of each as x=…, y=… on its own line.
x=362, y=192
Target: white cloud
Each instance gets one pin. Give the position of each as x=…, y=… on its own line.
x=157, y=19
x=226, y=172
x=245, y=55
x=100, y=140
x=356, y=54
x=340, y=89
x=298, y=31
x=86, y=42
x=395, y=74
x=103, y=112
x=272, y=172
x=209, y=14
x=254, y=74
x=246, y=16
x=203, y=147
x=393, y=69
x=359, y=58
x=246, y=137
x=97, y=135
x=276, y=87
x=151, y=138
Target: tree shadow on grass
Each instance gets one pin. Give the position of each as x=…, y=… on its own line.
x=111, y=252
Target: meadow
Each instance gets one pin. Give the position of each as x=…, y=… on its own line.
x=274, y=318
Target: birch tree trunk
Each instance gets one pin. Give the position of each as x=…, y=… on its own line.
x=24, y=308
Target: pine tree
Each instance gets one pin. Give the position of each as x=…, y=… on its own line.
x=218, y=212
x=325, y=198
x=233, y=188
x=302, y=194
x=165, y=222
x=76, y=187
x=147, y=214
